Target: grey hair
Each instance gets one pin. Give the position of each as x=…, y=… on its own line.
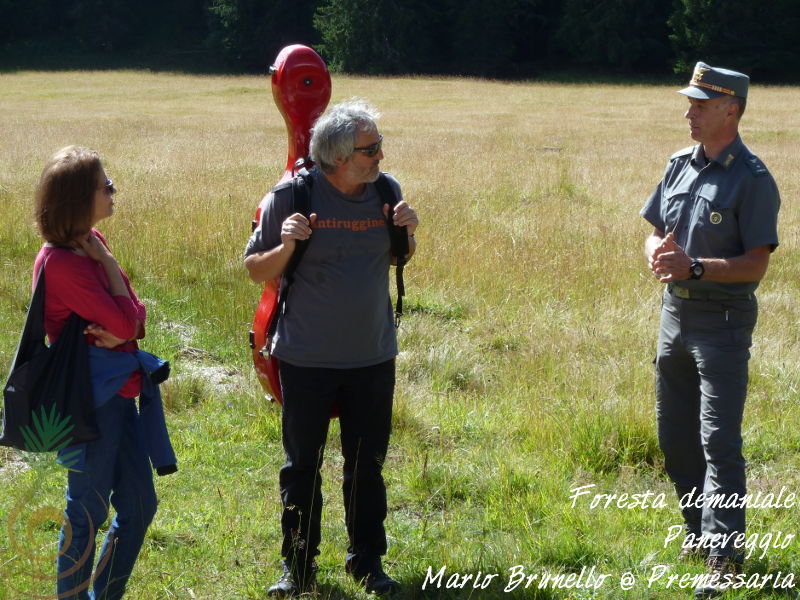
x=334, y=134
x=742, y=102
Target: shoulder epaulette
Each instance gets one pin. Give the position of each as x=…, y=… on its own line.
x=755, y=165
x=686, y=151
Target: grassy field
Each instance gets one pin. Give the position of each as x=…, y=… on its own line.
x=525, y=367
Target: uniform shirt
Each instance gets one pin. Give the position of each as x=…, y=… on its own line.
x=716, y=209
x=338, y=311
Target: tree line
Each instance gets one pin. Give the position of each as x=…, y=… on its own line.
x=502, y=38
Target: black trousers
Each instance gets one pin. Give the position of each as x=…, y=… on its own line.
x=364, y=398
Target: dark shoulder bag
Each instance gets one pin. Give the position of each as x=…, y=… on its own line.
x=47, y=400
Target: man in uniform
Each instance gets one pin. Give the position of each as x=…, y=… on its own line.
x=335, y=342
x=715, y=218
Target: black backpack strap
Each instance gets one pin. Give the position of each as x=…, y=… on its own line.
x=301, y=191
x=399, y=241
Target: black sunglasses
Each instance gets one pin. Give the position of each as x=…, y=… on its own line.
x=109, y=187
x=371, y=150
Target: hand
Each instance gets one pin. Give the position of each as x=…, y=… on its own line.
x=103, y=337
x=95, y=249
x=658, y=250
x=669, y=261
x=296, y=227
x=404, y=216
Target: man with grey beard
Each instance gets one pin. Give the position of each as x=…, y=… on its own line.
x=335, y=341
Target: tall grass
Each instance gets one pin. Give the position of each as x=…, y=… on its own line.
x=525, y=367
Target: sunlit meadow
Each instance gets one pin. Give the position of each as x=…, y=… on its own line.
x=526, y=353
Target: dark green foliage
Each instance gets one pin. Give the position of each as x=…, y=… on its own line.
x=518, y=38
x=504, y=38
x=380, y=36
x=100, y=30
x=30, y=19
x=466, y=37
x=624, y=35
x=108, y=24
x=758, y=38
x=250, y=33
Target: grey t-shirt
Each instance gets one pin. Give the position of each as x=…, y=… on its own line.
x=716, y=209
x=338, y=311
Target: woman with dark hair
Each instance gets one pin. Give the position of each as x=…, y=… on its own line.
x=82, y=276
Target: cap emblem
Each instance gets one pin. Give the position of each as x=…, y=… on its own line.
x=698, y=74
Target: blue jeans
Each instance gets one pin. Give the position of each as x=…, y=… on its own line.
x=117, y=469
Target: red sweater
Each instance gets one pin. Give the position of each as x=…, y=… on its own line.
x=75, y=283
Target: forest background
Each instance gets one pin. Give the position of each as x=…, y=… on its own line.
x=517, y=39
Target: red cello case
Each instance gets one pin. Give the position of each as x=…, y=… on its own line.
x=301, y=87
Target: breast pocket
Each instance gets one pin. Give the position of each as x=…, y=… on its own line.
x=676, y=212
x=718, y=221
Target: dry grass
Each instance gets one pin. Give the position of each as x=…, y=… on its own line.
x=525, y=366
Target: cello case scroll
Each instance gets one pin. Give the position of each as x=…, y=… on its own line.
x=301, y=88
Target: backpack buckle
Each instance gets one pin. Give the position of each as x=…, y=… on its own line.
x=265, y=352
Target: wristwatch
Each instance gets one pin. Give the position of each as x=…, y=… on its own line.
x=696, y=269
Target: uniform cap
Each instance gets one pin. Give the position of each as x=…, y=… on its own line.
x=712, y=82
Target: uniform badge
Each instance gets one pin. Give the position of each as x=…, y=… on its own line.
x=756, y=166
x=716, y=218
x=698, y=74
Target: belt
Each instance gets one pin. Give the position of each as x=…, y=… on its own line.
x=687, y=294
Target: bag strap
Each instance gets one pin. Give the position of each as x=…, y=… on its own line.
x=399, y=241
x=301, y=190
x=33, y=332
x=301, y=186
